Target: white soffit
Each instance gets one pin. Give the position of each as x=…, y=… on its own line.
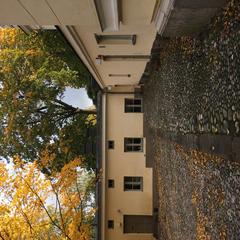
x=108, y=14
x=162, y=14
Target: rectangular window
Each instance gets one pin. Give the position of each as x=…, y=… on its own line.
x=119, y=75
x=133, y=105
x=137, y=224
x=120, y=58
x=133, y=144
x=116, y=39
x=110, y=224
x=133, y=184
x=111, y=183
x=111, y=144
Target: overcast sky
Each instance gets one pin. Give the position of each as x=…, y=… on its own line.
x=77, y=98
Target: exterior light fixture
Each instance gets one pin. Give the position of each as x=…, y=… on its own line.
x=99, y=60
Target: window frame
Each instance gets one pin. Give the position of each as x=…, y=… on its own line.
x=130, y=105
x=109, y=144
x=110, y=224
x=134, y=182
x=111, y=183
x=133, y=145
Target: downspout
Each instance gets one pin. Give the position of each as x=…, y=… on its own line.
x=104, y=114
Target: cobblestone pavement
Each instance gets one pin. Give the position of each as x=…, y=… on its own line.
x=199, y=194
x=195, y=89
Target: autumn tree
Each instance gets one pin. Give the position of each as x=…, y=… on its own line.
x=35, y=206
x=35, y=70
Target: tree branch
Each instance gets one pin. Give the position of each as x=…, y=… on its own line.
x=1, y=236
x=45, y=209
x=77, y=110
x=65, y=105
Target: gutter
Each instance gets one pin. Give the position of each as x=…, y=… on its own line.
x=103, y=215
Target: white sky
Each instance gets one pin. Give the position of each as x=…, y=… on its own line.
x=77, y=98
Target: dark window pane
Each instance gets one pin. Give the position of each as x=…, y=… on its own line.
x=137, y=187
x=137, y=179
x=129, y=109
x=137, y=224
x=137, y=109
x=129, y=148
x=137, y=148
x=127, y=179
x=127, y=186
x=110, y=224
x=111, y=183
x=137, y=101
x=128, y=101
x=110, y=144
x=137, y=140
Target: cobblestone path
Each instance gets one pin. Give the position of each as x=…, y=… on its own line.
x=196, y=87
x=199, y=194
x=195, y=90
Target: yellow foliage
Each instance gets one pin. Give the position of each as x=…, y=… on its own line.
x=201, y=227
x=8, y=36
x=91, y=119
x=26, y=208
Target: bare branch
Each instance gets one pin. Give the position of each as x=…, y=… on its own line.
x=45, y=209
x=65, y=105
x=1, y=236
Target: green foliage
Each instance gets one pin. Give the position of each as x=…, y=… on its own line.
x=56, y=45
x=34, y=73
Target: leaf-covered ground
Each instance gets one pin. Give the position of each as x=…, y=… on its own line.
x=195, y=90
x=196, y=87
x=199, y=194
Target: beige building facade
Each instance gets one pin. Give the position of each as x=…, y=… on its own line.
x=128, y=183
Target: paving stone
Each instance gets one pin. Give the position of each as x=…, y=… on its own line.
x=192, y=102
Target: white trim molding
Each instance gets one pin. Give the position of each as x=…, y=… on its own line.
x=162, y=14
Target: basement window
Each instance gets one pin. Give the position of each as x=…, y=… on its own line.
x=110, y=224
x=133, y=144
x=133, y=105
x=110, y=183
x=116, y=39
x=119, y=75
x=117, y=58
x=133, y=183
x=110, y=144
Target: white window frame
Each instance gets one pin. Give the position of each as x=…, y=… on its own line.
x=133, y=105
x=133, y=145
x=133, y=183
